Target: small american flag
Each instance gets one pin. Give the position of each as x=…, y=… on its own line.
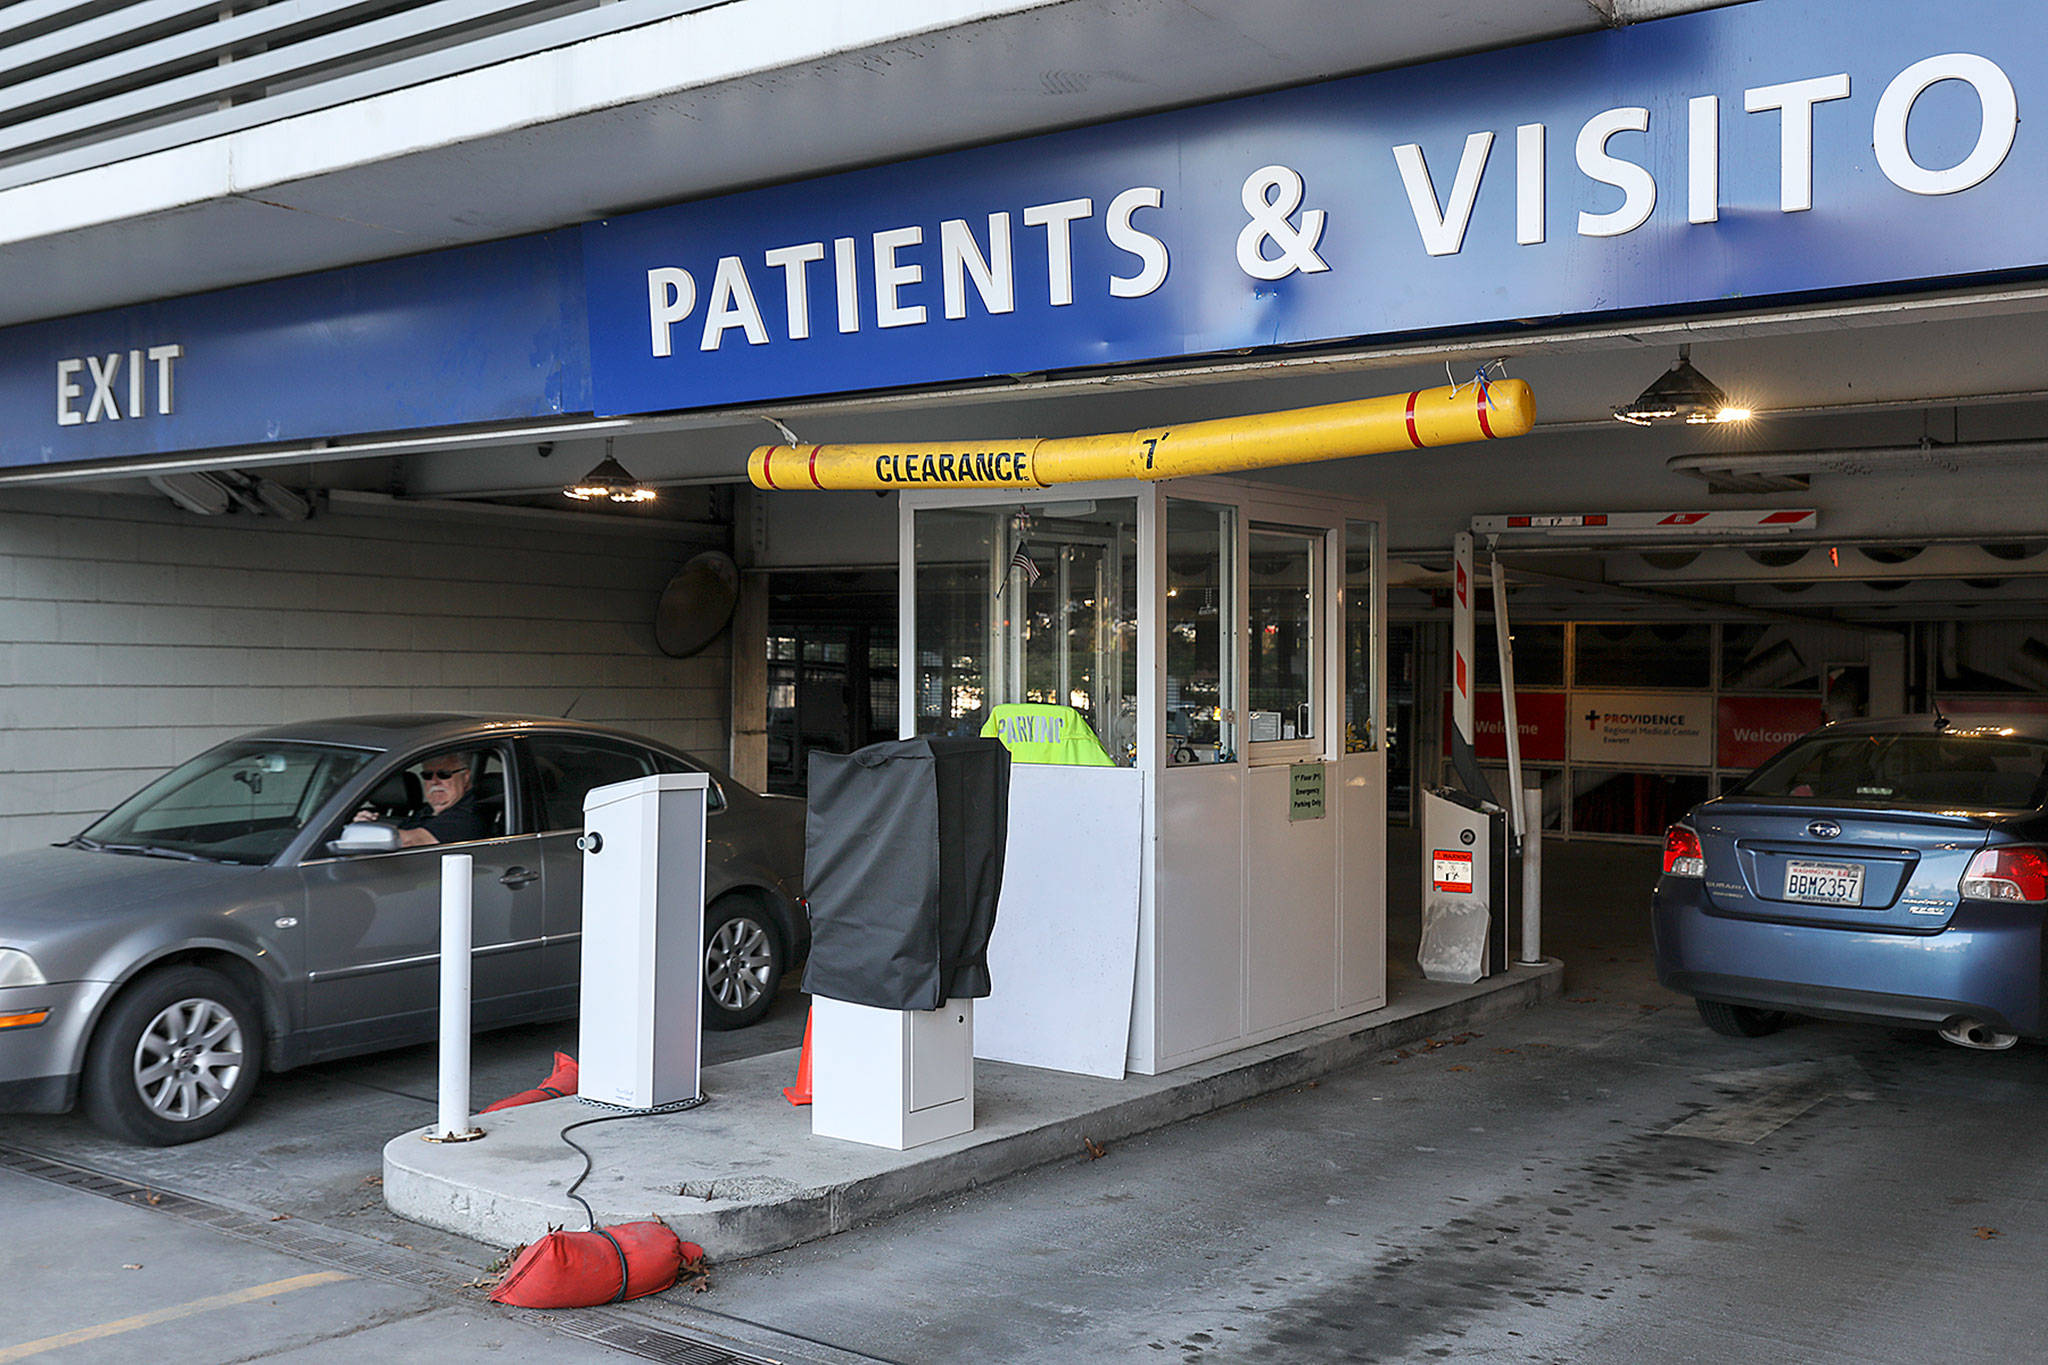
x=1022, y=560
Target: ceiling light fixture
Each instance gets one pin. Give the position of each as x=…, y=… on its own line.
x=609, y=482
x=1681, y=394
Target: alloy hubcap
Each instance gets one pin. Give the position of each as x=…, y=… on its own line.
x=188, y=1059
x=736, y=963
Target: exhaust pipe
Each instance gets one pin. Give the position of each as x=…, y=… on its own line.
x=1964, y=1031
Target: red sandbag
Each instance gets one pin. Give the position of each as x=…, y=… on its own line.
x=561, y=1081
x=584, y=1269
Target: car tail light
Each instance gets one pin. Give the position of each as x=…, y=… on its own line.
x=2004, y=874
x=1682, y=854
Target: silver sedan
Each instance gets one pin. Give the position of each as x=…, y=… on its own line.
x=275, y=901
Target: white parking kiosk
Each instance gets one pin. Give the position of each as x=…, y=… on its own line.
x=1189, y=676
x=643, y=935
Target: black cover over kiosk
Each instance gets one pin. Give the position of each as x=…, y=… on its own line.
x=903, y=861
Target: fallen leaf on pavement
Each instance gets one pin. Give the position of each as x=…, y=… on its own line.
x=1985, y=1234
x=1096, y=1151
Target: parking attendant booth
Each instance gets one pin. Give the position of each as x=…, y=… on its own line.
x=1189, y=674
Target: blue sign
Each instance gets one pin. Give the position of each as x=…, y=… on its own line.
x=1775, y=149
x=1785, y=147
x=478, y=334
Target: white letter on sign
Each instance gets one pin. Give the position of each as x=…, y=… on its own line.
x=103, y=375
x=891, y=275
x=2001, y=119
x=671, y=294
x=161, y=357
x=1638, y=189
x=1795, y=134
x=68, y=388
x=790, y=260
x=731, y=305
x=960, y=260
x=1150, y=251
x=1443, y=234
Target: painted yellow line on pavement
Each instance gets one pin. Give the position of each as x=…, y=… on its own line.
x=183, y=1310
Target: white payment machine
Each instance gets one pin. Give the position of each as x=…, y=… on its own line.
x=643, y=941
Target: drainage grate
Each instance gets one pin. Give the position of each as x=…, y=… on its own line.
x=375, y=1260
x=649, y=1343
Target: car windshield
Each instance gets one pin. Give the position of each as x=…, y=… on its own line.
x=1969, y=770
x=239, y=803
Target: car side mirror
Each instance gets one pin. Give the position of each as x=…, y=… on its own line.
x=366, y=836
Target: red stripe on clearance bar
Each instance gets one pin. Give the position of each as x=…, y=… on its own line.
x=768, y=466
x=1483, y=424
x=1413, y=434
x=814, y=467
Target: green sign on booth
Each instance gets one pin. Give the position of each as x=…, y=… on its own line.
x=1305, y=791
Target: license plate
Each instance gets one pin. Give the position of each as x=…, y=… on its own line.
x=1824, y=883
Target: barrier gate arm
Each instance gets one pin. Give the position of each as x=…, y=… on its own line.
x=1451, y=415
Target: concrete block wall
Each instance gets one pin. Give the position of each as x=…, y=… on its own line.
x=133, y=634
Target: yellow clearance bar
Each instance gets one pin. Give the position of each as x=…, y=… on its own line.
x=1334, y=431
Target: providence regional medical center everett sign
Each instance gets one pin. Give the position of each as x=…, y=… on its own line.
x=1769, y=149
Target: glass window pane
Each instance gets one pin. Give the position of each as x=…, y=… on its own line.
x=1029, y=606
x=1539, y=654
x=1201, y=690
x=1636, y=656
x=569, y=768
x=1282, y=592
x=1361, y=728
x=955, y=588
x=241, y=802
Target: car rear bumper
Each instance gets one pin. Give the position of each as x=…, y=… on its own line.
x=1986, y=964
x=39, y=1065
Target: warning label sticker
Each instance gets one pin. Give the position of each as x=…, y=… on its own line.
x=1452, y=869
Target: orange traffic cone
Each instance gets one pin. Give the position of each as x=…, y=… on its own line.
x=800, y=1093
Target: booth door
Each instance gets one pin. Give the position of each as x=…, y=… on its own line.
x=1273, y=798
x=1291, y=844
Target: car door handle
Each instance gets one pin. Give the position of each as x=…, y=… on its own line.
x=517, y=877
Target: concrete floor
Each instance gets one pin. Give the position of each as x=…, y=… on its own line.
x=1599, y=1180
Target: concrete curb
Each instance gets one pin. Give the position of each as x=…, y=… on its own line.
x=742, y=1175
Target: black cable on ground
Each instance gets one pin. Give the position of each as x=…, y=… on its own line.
x=608, y=1118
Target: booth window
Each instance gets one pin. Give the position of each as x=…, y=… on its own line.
x=1285, y=585
x=1032, y=605
x=1201, y=649
x=1361, y=729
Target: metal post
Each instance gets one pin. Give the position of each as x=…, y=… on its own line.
x=453, y=1124
x=1510, y=721
x=1532, y=879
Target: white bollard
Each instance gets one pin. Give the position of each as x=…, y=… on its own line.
x=1532, y=878
x=453, y=1124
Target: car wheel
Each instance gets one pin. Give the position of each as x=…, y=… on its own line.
x=743, y=957
x=174, y=1060
x=1740, y=1021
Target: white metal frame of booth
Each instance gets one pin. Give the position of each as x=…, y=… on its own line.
x=1190, y=901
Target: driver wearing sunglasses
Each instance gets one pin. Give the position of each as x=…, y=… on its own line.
x=451, y=816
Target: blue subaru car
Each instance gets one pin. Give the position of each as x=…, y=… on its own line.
x=1888, y=871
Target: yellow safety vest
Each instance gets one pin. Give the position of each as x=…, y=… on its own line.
x=1040, y=732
